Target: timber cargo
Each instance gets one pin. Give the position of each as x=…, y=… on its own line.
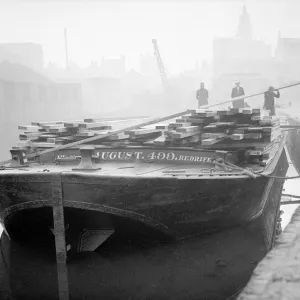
x=205, y=180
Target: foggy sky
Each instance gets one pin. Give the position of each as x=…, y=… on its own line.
x=184, y=29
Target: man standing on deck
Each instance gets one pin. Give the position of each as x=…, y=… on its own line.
x=238, y=91
x=202, y=95
x=269, y=103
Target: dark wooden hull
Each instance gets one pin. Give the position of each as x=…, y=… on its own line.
x=179, y=214
x=177, y=208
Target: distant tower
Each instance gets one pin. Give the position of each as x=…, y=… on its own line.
x=244, y=29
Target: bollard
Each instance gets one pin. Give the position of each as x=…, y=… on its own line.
x=17, y=158
x=86, y=163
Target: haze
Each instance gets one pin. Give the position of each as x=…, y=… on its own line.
x=184, y=29
x=111, y=68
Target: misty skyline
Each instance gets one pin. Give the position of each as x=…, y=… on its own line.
x=184, y=30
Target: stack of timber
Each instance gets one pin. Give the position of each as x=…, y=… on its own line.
x=245, y=131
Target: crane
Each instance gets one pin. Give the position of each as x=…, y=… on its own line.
x=160, y=64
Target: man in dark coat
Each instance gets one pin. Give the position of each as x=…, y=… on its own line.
x=238, y=91
x=202, y=95
x=269, y=103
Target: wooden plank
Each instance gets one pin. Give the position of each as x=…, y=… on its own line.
x=58, y=129
x=51, y=140
x=121, y=119
x=42, y=145
x=24, y=144
x=237, y=136
x=93, y=125
x=29, y=128
x=180, y=121
x=189, y=129
x=193, y=120
x=187, y=140
x=270, y=129
x=56, y=126
x=257, y=153
x=256, y=111
x=224, y=113
x=248, y=129
x=224, y=124
x=113, y=123
x=63, y=142
x=208, y=127
x=160, y=141
x=91, y=133
x=254, y=152
x=29, y=136
x=180, y=135
x=209, y=142
x=269, y=122
x=45, y=123
x=48, y=135
x=144, y=137
x=241, y=130
x=170, y=133
x=206, y=113
x=141, y=131
x=119, y=136
x=107, y=128
x=247, y=111
x=177, y=125
x=236, y=111
x=71, y=125
x=209, y=135
x=162, y=126
x=253, y=135
x=255, y=129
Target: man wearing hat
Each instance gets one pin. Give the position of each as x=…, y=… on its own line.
x=238, y=91
x=202, y=95
x=269, y=103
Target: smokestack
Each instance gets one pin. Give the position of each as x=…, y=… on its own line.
x=66, y=48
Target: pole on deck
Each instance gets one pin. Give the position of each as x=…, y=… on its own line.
x=60, y=241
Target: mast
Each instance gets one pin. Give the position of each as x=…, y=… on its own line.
x=66, y=49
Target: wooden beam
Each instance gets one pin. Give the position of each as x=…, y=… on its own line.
x=60, y=241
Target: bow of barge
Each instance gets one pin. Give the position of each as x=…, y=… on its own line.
x=203, y=175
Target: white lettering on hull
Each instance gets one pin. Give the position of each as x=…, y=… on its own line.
x=148, y=156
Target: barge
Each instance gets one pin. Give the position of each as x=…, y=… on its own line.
x=183, y=210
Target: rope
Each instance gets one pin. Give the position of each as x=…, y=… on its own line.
x=281, y=177
x=292, y=196
x=253, y=174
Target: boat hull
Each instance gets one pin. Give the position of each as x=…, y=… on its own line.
x=130, y=263
x=178, y=208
